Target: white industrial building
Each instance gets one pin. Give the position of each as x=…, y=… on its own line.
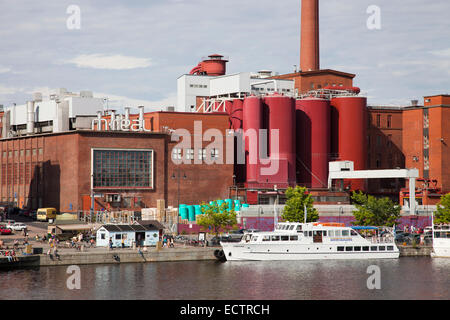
x=63, y=111
x=191, y=89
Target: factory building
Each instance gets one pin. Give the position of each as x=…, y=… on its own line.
x=72, y=153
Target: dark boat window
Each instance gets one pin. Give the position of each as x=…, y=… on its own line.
x=357, y=248
x=293, y=238
x=354, y=233
x=348, y=248
x=382, y=248
x=310, y=233
x=275, y=238
x=345, y=233
x=291, y=227
x=284, y=238
x=324, y=233
x=266, y=238
x=340, y=248
x=365, y=248
x=299, y=228
x=390, y=248
x=374, y=248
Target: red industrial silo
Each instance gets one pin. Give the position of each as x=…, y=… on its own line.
x=352, y=133
x=281, y=116
x=252, y=123
x=313, y=141
x=237, y=114
x=214, y=66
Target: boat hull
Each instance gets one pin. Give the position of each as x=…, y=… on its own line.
x=241, y=252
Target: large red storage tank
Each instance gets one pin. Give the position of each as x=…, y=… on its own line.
x=313, y=141
x=253, y=119
x=237, y=114
x=281, y=116
x=352, y=133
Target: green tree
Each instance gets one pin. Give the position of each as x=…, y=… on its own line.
x=216, y=217
x=294, y=210
x=372, y=211
x=443, y=210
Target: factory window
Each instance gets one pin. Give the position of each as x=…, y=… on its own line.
x=214, y=154
x=28, y=152
x=21, y=153
x=312, y=85
x=378, y=140
x=389, y=121
x=4, y=154
x=34, y=152
x=176, y=154
x=389, y=140
x=10, y=154
x=379, y=160
x=201, y=154
x=189, y=154
x=378, y=120
x=122, y=168
x=16, y=153
x=41, y=151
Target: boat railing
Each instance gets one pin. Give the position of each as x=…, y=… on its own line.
x=382, y=239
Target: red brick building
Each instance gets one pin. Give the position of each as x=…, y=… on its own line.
x=128, y=170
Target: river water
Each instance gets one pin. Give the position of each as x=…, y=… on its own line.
x=404, y=278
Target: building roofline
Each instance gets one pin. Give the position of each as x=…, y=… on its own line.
x=317, y=72
x=90, y=132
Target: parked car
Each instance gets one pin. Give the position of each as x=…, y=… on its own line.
x=18, y=226
x=5, y=231
x=215, y=241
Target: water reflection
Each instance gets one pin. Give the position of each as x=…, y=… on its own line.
x=405, y=278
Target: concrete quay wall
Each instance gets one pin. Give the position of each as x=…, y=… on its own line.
x=410, y=251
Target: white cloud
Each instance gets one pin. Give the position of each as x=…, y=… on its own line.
x=4, y=69
x=110, y=62
x=441, y=53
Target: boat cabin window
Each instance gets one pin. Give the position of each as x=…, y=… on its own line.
x=390, y=248
x=284, y=238
x=275, y=238
x=331, y=233
x=382, y=248
x=291, y=227
x=340, y=248
x=317, y=233
x=348, y=248
x=365, y=248
x=357, y=248
x=374, y=248
x=254, y=238
x=299, y=229
x=293, y=238
x=266, y=238
x=442, y=234
x=324, y=233
x=337, y=233
x=353, y=233
x=310, y=233
x=345, y=233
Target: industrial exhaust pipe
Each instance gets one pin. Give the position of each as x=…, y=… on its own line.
x=30, y=117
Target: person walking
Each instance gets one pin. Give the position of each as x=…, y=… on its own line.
x=110, y=244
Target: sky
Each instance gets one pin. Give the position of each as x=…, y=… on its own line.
x=133, y=51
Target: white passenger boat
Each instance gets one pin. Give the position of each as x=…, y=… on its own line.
x=309, y=241
x=441, y=241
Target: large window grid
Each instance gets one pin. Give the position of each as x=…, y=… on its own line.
x=122, y=168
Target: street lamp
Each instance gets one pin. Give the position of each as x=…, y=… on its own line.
x=179, y=177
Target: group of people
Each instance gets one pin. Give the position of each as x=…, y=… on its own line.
x=412, y=229
x=167, y=241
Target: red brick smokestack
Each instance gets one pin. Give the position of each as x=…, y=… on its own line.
x=309, y=53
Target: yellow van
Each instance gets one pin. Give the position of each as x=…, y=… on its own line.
x=43, y=214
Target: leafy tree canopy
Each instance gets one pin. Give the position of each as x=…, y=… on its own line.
x=443, y=210
x=372, y=211
x=293, y=211
x=216, y=217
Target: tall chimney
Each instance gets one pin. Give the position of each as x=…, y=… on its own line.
x=309, y=52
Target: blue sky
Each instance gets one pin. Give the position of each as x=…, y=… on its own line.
x=133, y=51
